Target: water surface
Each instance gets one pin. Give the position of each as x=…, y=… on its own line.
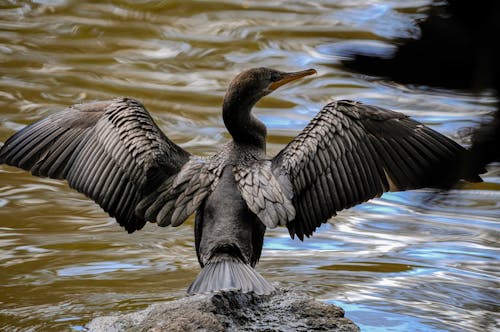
x=415, y=261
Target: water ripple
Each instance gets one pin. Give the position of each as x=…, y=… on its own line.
x=418, y=260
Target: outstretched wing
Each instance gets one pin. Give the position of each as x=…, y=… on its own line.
x=350, y=153
x=111, y=151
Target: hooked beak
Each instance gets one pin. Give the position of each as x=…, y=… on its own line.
x=289, y=77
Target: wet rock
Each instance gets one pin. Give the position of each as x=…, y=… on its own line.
x=232, y=311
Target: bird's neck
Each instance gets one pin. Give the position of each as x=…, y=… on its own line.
x=245, y=128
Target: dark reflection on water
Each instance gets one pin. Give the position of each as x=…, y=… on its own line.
x=408, y=261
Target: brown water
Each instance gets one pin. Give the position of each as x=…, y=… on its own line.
x=406, y=262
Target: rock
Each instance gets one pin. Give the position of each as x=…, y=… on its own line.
x=232, y=311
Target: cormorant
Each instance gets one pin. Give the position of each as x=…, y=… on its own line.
x=114, y=153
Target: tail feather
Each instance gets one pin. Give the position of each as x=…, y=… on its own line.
x=227, y=272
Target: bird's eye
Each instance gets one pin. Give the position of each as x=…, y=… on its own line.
x=275, y=77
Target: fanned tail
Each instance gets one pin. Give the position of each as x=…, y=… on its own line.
x=226, y=272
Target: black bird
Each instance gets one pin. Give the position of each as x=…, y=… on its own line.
x=114, y=153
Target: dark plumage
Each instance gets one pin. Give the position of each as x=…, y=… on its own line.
x=115, y=154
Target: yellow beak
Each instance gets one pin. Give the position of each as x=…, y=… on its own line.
x=288, y=77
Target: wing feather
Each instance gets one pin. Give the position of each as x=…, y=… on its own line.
x=264, y=194
x=351, y=152
x=112, y=151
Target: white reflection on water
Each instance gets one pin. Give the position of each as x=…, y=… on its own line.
x=99, y=268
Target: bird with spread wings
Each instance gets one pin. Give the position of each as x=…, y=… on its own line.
x=115, y=154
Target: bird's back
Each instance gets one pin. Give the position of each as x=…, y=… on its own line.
x=227, y=225
x=229, y=237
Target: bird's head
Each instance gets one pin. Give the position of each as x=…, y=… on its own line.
x=244, y=91
x=253, y=84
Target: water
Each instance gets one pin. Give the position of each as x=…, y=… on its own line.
x=413, y=261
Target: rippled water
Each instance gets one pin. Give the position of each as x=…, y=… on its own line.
x=413, y=261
